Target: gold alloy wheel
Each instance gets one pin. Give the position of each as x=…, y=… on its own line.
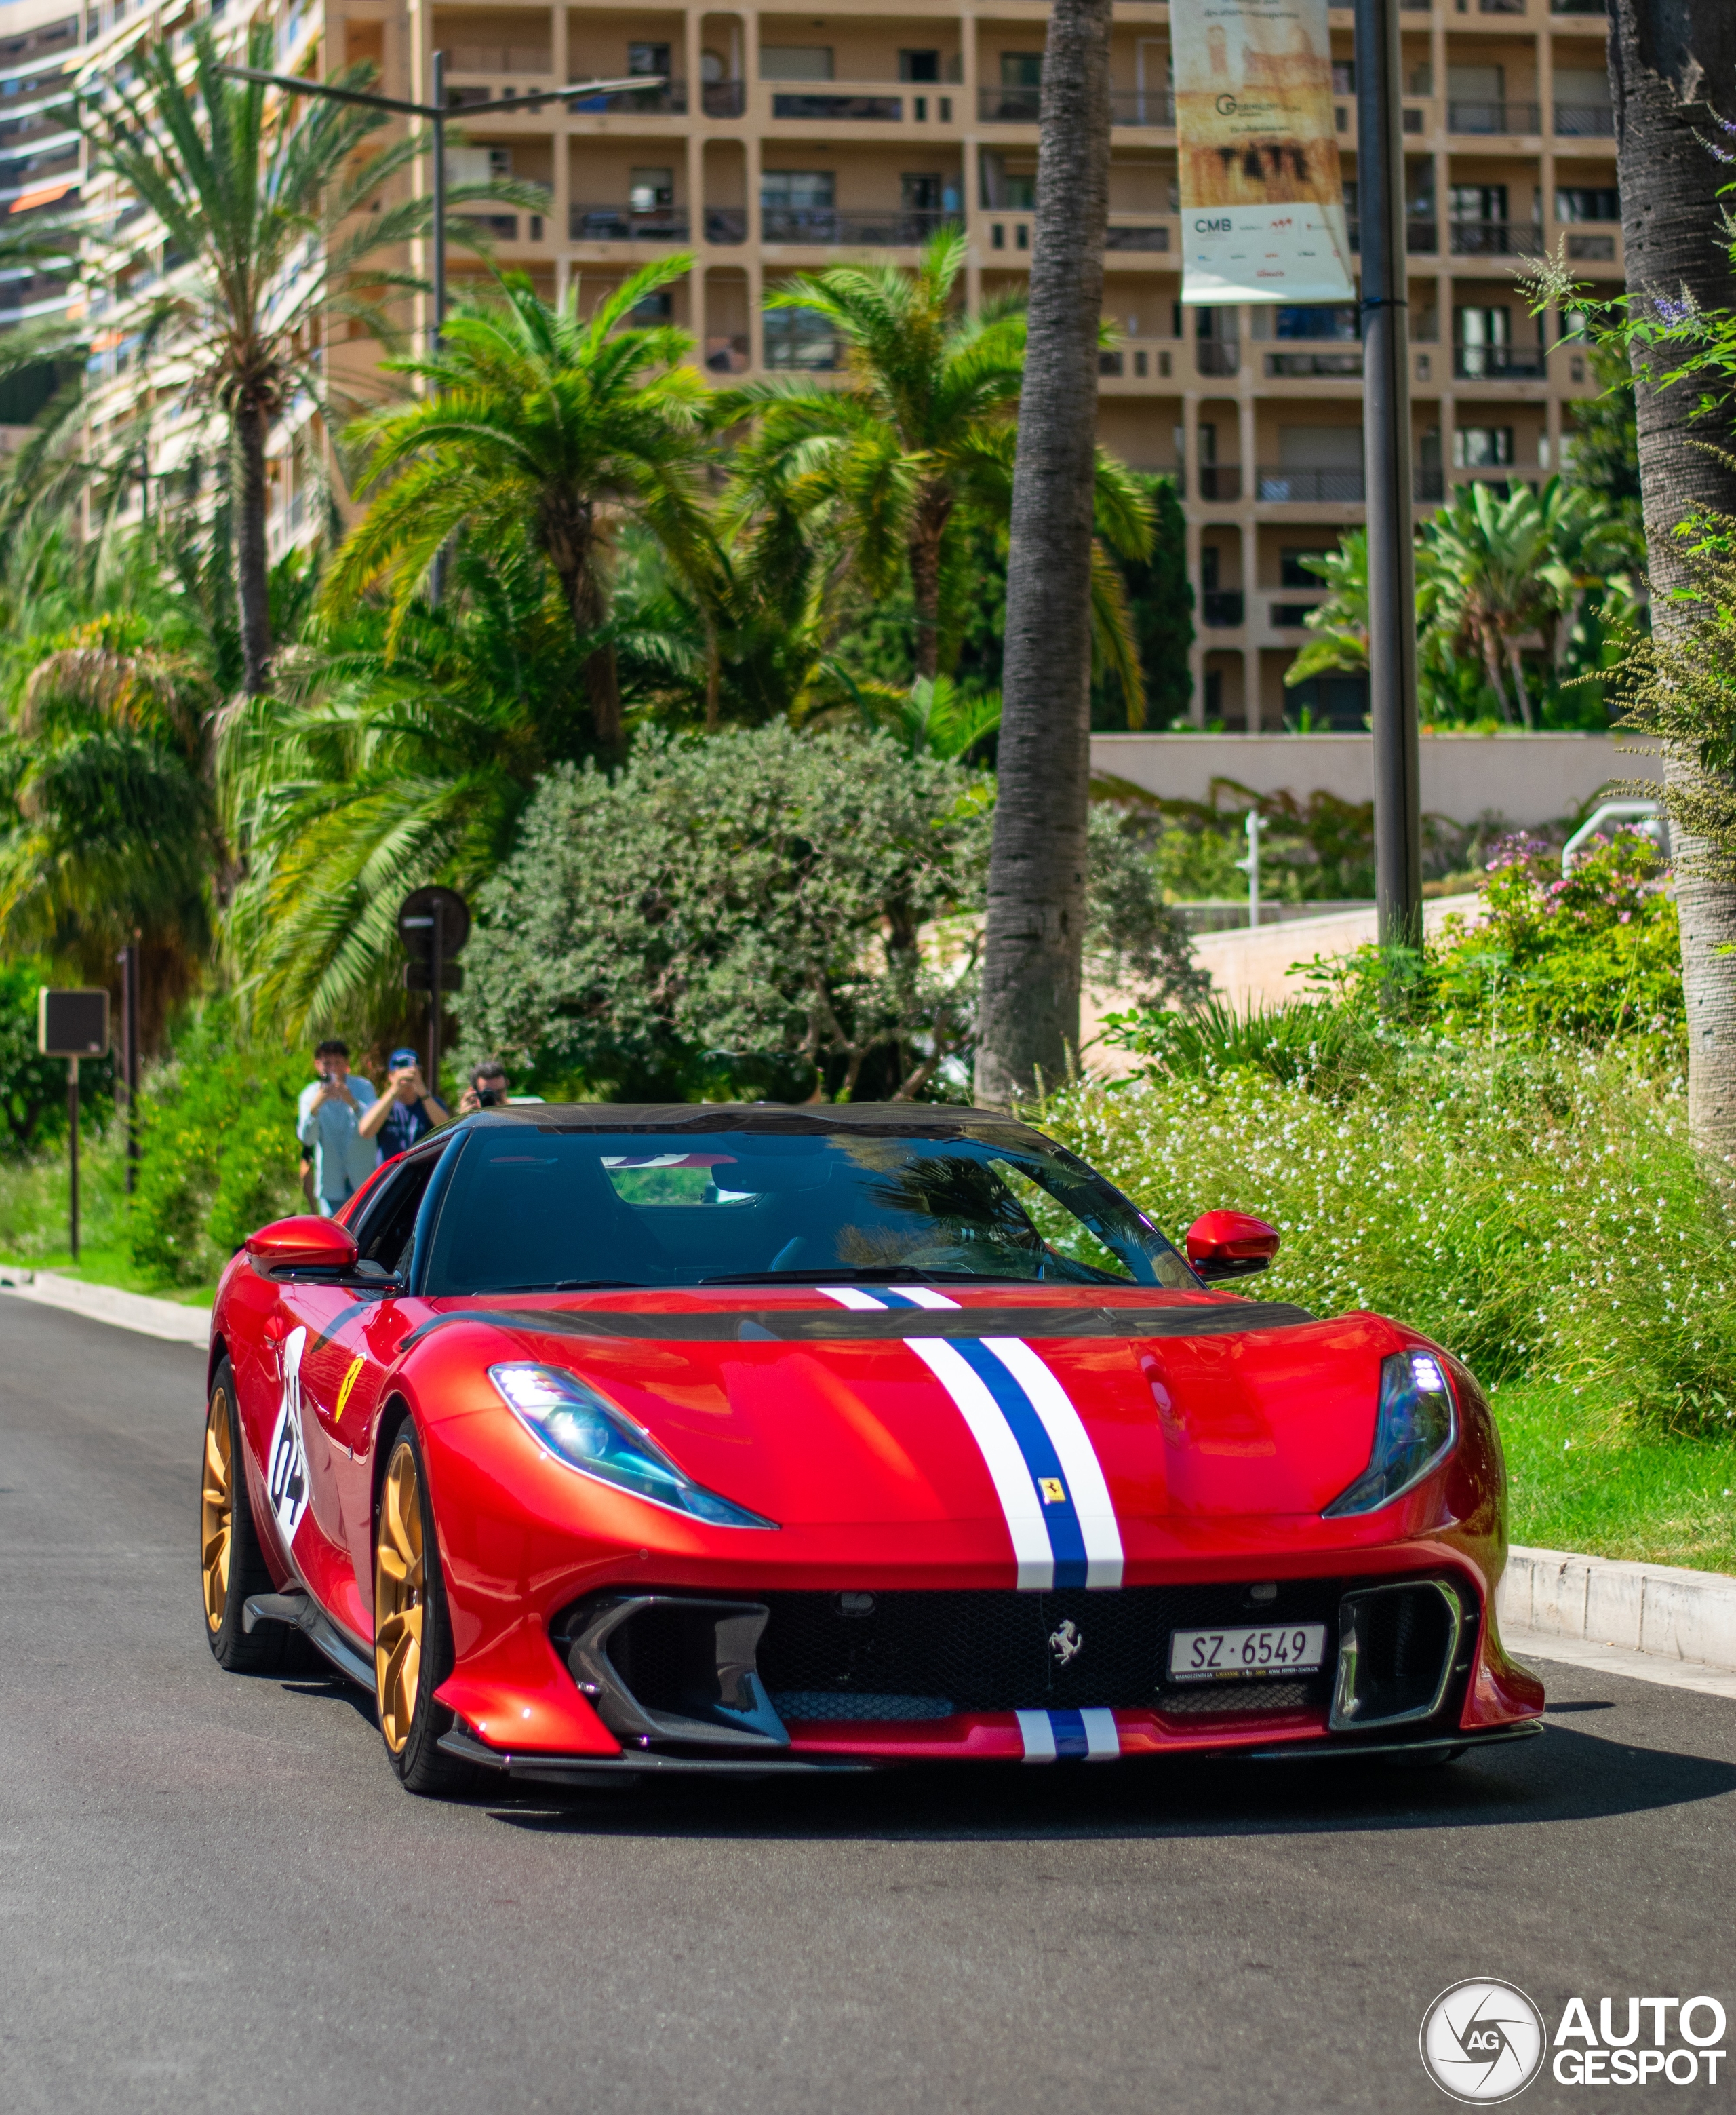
x=217, y=1512
x=397, y=1599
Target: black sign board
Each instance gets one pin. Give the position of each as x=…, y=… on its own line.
x=419, y=914
x=72, y=1024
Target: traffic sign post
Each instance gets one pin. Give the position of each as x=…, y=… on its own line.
x=433, y=924
x=72, y=1025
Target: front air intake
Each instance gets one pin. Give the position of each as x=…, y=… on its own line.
x=1396, y=1648
x=660, y=1667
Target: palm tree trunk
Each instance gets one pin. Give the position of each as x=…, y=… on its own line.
x=1517, y=666
x=1663, y=55
x=252, y=571
x=1029, y=1016
x=1492, y=669
x=925, y=582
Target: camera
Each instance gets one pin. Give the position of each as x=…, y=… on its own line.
x=489, y=1098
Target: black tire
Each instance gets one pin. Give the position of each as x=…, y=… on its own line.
x=413, y=1749
x=272, y=1647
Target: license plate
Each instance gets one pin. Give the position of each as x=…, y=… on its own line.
x=1247, y=1655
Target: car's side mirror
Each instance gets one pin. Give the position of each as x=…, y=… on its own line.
x=303, y=1243
x=1230, y=1244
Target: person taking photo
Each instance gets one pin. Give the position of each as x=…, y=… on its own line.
x=406, y=1111
x=328, y=1115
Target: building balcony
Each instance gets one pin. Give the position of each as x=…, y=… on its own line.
x=1221, y=482
x=504, y=226
x=1131, y=237
x=725, y=223
x=1591, y=249
x=1495, y=238
x=1500, y=362
x=723, y=99
x=1422, y=237
x=1218, y=356
x=728, y=355
x=1577, y=6
x=1310, y=487
x=1222, y=609
x=812, y=106
x=620, y=223
x=893, y=226
x=1291, y=615
x=495, y=60
x=1584, y=121
x=1482, y=120
x=1127, y=106
x=1343, y=363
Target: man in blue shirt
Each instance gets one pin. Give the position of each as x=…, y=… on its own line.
x=406, y=1112
x=328, y=1123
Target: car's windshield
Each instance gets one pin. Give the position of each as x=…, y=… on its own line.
x=542, y=1208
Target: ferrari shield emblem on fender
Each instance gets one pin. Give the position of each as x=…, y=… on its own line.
x=1066, y=1644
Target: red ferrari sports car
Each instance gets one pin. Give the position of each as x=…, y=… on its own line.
x=607, y=1440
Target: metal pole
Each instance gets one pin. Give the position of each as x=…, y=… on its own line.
x=130, y=1056
x=434, y=1003
x=72, y=1120
x=1392, y=576
x=436, y=572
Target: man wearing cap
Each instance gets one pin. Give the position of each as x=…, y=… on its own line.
x=406, y=1111
x=337, y=1158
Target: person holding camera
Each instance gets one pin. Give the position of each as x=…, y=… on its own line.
x=406, y=1111
x=337, y=1158
x=487, y=1088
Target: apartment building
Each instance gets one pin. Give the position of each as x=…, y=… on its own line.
x=39, y=51
x=769, y=142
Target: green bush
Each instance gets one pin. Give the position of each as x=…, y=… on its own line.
x=218, y=1155
x=1539, y=1211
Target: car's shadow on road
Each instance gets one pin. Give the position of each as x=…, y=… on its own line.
x=1567, y=1775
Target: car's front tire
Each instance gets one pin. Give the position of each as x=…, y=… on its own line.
x=231, y=1563
x=412, y=1635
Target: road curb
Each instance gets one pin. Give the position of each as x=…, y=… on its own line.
x=137, y=1311
x=1661, y=1611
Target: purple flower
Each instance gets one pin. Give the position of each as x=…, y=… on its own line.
x=1673, y=313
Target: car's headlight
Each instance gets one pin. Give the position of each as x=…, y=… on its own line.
x=577, y=1424
x=1415, y=1431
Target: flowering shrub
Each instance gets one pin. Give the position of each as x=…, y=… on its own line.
x=1539, y=1210
x=1594, y=954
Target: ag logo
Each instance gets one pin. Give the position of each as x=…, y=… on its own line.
x=286, y=1465
x=1482, y=2042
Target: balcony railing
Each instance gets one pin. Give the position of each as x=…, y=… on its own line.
x=620, y=223
x=1292, y=366
x=1221, y=482
x=667, y=98
x=1500, y=362
x=1422, y=237
x=1591, y=249
x=1221, y=609
x=725, y=223
x=1292, y=615
x=1584, y=121
x=1217, y=355
x=723, y=99
x=1577, y=6
x=1009, y=106
x=891, y=226
x=1141, y=106
x=1291, y=487
x=1483, y=118
x=1495, y=238
x=811, y=106
x=1136, y=238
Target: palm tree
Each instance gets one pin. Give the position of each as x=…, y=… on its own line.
x=268, y=217
x=399, y=749
x=1029, y=1016
x=537, y=421
x=114, y=830
x=919, y=443
x=1666, y=57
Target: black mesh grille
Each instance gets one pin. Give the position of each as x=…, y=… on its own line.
x=991, y=1651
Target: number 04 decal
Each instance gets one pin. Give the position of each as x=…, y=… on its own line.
x=287, y=1464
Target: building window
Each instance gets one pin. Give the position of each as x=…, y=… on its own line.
x=795, y=62
x=1021, y=69
x=1292, y=573
x=800, y=338
x=1482, y=448
x=919, y=65
x=797, y=190
x=1588, y=202
x=649, y=59
x=648, y=191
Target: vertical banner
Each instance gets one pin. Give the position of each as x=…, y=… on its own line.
x=1262, y=200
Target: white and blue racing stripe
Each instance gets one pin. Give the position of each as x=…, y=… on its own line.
x=1032, y=1441
x=1051, y=1736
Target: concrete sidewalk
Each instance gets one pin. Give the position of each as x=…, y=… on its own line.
x=165, y=1319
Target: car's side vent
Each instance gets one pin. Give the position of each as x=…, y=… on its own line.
x=663, y=1667
x=1396, y=1648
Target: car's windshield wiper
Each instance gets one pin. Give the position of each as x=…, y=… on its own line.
x=575, y=1285
x=887, y=1274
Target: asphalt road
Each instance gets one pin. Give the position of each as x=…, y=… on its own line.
x=214, y=1895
